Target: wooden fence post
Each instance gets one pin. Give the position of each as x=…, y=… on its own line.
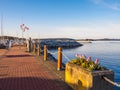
x=34, y=48
x=45, y=52
x=59, y=58
x=38, y=50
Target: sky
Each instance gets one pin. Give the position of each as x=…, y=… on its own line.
x=78, y=19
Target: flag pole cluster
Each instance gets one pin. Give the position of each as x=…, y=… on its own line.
x=23, y=27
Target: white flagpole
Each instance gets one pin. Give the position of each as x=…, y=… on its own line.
x=23, y=34
x=22, y=28
x=2, y=26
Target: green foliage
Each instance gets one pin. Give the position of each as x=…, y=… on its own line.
x=89, y=65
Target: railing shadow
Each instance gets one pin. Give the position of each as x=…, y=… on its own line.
x=23, y=55
x=32, y=83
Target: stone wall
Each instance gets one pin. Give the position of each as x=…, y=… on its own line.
x=81, y=79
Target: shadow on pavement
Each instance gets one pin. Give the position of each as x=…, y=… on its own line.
x=32, y=83
x=24, y=55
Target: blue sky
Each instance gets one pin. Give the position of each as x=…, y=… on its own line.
x=62, y=18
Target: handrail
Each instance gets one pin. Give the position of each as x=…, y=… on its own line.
x=110, y=81
x=52, y=52
x=67, y=59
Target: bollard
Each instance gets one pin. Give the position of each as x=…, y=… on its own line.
x=34, y=49
x=59, y=58
x=45, y=52
x=38, y=50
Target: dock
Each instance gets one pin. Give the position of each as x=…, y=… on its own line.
x=21, y=70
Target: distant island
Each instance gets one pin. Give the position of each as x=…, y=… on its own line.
x=58, y=42
x=104, y=39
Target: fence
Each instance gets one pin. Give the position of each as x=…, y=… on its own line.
x=37, y=51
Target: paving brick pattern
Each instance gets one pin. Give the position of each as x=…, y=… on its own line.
x=3, y=51
x=20, y=70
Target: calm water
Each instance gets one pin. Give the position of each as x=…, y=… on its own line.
x=108, y=53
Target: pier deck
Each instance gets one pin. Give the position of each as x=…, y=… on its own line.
x=20, y=70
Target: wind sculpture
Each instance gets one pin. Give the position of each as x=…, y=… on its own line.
x=23, y=28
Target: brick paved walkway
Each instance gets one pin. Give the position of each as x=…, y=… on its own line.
x=2, y=51
x=20, y=70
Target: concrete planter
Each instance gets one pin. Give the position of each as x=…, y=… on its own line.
x=81, y=79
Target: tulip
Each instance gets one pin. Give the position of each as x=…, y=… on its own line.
x=96, y=61
x=83, y=56
x=78, y=55
x=88, y=59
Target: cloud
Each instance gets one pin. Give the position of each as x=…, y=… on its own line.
x=104, y=30
x=88, y=30
x=112, y=4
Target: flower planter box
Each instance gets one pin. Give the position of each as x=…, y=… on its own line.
x=79, y=78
